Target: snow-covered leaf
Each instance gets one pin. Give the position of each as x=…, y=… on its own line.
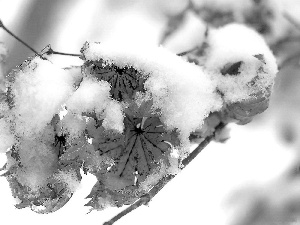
x=124, y=81
x=244, y=111
x=232, y=69
x=136, y=152
x=84, y=154
x=102, y=197
x=48, y=198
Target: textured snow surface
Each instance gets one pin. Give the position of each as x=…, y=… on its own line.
x=7, y=139
x=186, y=93
x=38, y=162
x=39, y=90
x=183, y=92
x=91, y=95
x=235, y=43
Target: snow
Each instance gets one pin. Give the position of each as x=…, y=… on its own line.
x=91, y=95
x=35, y=154
x=183, y=93
x=3, y=108
x=39, y=90
x=113, y=116
x=73, y=124
x=237, y=43
x=38, y=161
x=197, y=191
x=171, y=81
x=69, y=178
x=200, y=190
x=7, y=139
x=186, y=93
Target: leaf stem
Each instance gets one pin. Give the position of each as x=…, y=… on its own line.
x=20, y=40
x=145, y=199
x=202, y=145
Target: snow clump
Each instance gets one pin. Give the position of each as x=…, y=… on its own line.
x=182, y=91
x=256, y=67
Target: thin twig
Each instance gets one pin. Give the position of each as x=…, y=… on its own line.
x=187, y=52
x=18, y=39
x=145, y=199
x=68, y=54
x=202, y=145
x=49, y=51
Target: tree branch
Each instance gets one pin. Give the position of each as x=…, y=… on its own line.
x=187, y=52
x=20, y=40
x=49, y=51
x=145, y=199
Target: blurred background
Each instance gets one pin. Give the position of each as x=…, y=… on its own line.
x=251, y=179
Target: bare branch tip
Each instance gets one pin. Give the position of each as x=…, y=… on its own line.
x=108, y=223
